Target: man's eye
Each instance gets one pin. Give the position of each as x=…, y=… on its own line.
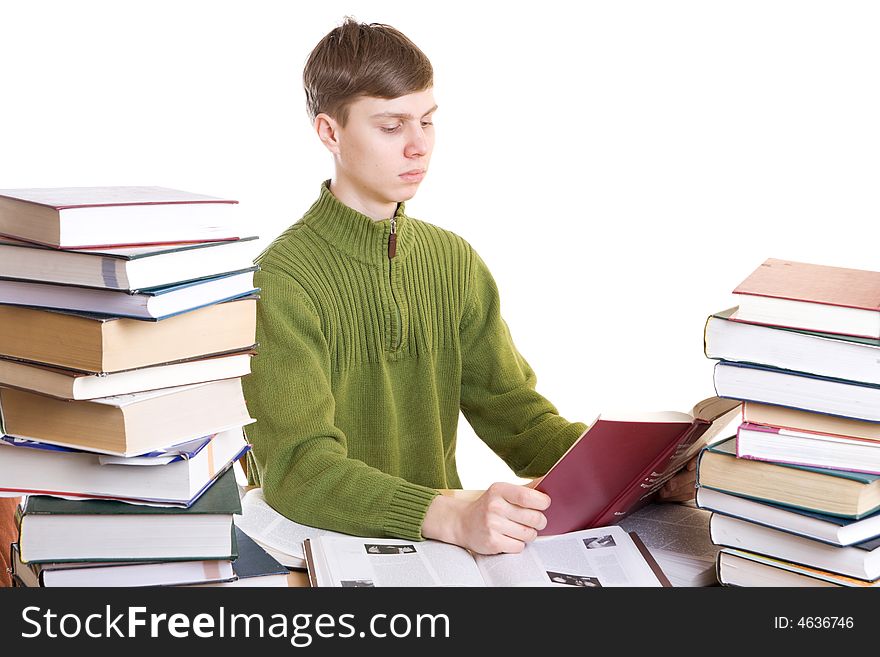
x=388, y=129
x=427, y=123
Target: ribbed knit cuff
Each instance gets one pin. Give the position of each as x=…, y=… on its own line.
x=407, y=510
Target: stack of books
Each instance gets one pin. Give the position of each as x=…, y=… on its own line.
x=795, y=494
x=127, y=319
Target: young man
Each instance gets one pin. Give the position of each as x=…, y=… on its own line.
x=376, y=328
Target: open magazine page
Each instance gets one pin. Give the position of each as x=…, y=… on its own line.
x=605, y=556
x=271, y=529
x=351, y=561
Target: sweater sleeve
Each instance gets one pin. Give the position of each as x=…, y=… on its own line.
x=498, y=396
x=300, y=456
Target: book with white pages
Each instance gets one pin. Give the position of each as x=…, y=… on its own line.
x=754, y=441
x=810, y=392
x=146, y=304
x=129, y=424
x=172, y=479
x=589, y=558
x=861, y=560
x=124, y=268
x=741, y=568
x=65, y=383
x=826, y=354
x=112, y=574
x=88, y=217
x=835, y=530
x=607, y=556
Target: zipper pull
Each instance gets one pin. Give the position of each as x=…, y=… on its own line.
x=392, y=239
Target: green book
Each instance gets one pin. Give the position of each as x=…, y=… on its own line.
x=53, y=529
x=833, y=492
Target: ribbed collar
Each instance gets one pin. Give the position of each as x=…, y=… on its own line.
x=355, y=233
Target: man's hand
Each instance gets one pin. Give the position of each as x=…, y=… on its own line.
x=503, y=519
x=682, y=487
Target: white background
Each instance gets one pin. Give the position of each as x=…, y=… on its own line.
x=621, y=166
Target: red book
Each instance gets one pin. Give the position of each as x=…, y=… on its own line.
x=617, y=465
x=811, y=297
x=87, y=217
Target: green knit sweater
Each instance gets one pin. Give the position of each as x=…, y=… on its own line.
x=364, y=361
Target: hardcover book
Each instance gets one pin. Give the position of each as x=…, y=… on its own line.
x=81, y=217
x=809, y=392
x=124, y=268
x=819, y=526
x=65, y=383
x=97, y=343
x=833, y=492
x=618, y=464
x=149, y=304
x=52, y=529
x=812, y=297
x=825, y=354
x=861, y=560
x=177, y=477
x=126, y=424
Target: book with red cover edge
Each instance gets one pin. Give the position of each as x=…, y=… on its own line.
x=820, y=284
x=617, y=466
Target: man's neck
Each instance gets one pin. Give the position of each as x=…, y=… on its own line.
x=349, y=195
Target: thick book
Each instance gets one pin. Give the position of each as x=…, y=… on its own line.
x=254, y=567
x=97, y=343
x=80, y=217
x=818, y=526
x=618, y=464
x=124, y=268
x=808, y=392
x=826, y=354
x=52, y=529
x=126, y=424
x=762, y=443
x=65, y=383
x=861, y=560
x=833, y=492
x=148, y=304
x=741, y=568
x=599, y=557
x=177, y=477
x=798, y=420
x=811, y=297
x=115, y=574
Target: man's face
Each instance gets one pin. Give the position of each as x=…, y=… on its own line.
x=385, y=147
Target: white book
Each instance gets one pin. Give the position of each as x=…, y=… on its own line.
x=859, y=562
x=830, y=529
x=849, y=399
x=853, y=359
x=76, y=385
x=80, y=217
x=154, y=304
x=124, y=268
x=176, y=477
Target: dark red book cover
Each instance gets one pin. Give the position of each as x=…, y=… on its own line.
x=614, y=468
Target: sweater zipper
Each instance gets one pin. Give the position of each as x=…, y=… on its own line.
x=392, y=251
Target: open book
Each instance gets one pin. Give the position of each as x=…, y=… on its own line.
x=606, y=556
x=618, y=464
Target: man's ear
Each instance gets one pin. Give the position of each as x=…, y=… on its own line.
x=328, y=132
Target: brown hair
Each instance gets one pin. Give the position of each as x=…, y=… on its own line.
x=362, y=59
